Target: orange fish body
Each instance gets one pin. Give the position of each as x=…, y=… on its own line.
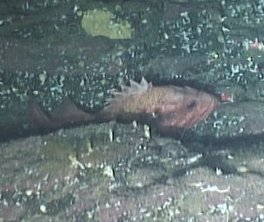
x=168, y=108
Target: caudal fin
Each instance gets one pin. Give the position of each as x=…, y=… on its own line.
x=66, y=114
x=39, y=118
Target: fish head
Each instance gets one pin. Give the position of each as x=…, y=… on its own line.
x=196, y=106
x=185, y=107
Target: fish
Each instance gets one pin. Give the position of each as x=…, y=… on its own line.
x=167, y=108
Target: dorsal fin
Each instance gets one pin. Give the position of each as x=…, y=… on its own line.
x=133, y=89
x=137, y=88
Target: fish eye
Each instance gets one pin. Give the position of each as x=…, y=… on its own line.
x=191, y=105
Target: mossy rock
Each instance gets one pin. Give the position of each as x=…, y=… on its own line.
x=101, y=22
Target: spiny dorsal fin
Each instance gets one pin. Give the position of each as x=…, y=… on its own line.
x=134, y=89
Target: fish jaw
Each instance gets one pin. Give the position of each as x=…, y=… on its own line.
x=208, y=105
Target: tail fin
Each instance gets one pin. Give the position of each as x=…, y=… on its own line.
x=68, y=112
x=65, y=114
x=38, y=117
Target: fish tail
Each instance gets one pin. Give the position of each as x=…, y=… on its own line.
x=66, y=114
x=38, y=117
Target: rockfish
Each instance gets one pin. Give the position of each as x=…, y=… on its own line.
x=167, y=108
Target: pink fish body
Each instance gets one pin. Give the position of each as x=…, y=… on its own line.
x=168, y=108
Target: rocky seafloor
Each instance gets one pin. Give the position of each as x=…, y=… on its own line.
x=113, y=172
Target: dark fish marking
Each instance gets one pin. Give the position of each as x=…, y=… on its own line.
x=191, y=105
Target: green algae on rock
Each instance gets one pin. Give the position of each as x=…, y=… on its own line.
x=101, y=22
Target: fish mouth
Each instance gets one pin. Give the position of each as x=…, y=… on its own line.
x=206, y=111
x=210, y=108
